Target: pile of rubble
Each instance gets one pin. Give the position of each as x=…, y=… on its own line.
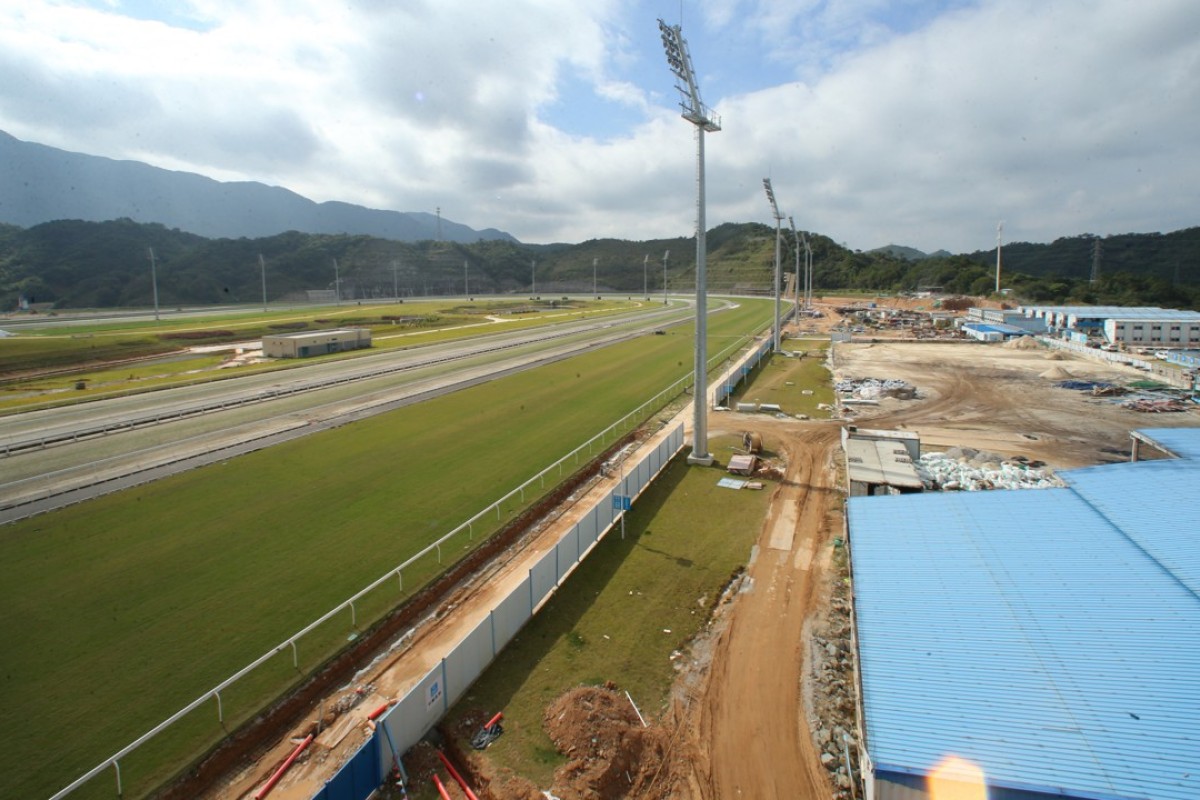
x=831, y=713
x=875, y=388
x=967, y=469
x=1153, y=405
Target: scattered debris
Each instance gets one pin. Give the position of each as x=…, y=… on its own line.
x=875, y=388
x=966, y=469
x=1155, y=406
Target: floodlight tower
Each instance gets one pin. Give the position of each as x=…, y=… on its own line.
x=796, y=237
x=695, y=112
x=533, y=277
x=645, y=278
x=808, y=274
x=594, y=292
x=999, y=235
x=778, y=268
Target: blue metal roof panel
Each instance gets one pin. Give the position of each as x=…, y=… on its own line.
x=1184, y=442
x=1022, y=631
x=1155, y=503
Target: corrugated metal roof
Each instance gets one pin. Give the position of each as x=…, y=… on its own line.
x=1051, y=637
x=1183, y=442
x=881, y=462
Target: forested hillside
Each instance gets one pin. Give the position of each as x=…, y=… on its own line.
x=73, y=264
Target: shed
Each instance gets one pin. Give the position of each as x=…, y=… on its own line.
x=315, y=343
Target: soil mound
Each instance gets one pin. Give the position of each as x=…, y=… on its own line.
x=1057, y=355
x=1056, y=374
x=611, y=754
x=1022, y=343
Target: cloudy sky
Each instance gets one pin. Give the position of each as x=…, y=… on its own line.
x=916, y=122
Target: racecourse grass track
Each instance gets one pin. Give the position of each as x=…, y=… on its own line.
x=117, y=612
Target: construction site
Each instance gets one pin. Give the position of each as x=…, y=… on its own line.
x=767, y=696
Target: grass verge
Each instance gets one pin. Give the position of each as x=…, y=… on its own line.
x=625, y=614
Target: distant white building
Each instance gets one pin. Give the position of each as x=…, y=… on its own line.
x=1142, y=325
x=315, y=343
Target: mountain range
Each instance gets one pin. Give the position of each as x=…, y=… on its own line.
x=41, y=184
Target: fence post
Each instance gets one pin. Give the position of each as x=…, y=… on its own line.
x=295, y=655
x=220, y=710
x=354, y=612
x=117, y=767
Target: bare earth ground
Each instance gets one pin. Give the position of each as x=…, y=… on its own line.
x=762, y=708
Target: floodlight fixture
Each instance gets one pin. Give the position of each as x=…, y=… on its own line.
x=778, y=268
x=694, y=111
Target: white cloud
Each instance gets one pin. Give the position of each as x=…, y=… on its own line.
x=877, y=121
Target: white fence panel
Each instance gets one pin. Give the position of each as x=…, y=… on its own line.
x=512, y=612
x=544, y=576
x=469, y=659
x=568, y=553
x=417, y=711
x=587, y=530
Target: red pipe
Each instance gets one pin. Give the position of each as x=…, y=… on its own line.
x=441, y=789
x=494, y=720
x=274, y=779
x=454, y=774
x=377, y=713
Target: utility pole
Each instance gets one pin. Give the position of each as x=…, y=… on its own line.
x=262, y=268
x=666, y=255
x=999, y=236
x=154, y=280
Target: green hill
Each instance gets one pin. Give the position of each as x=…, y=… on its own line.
x=74, y=264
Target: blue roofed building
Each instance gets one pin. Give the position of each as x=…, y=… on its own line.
x=1051, y=638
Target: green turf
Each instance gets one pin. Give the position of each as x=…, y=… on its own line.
x=117, y=612
x=630, y=606
x=782, y=380
x=158, y=358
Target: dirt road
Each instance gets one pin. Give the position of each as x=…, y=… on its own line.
x=746, y=731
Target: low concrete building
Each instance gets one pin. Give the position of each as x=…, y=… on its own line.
x=315, y=343
x=881, y=462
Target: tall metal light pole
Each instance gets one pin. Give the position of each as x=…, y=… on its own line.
x=808, y=274
x=533, y=277
x=594, y=292
x=695, y=112
x=262, y=269
x=395, y=278
x=999, y=234
x=645, y=274
x=154, y=280
x=666, y=255
x=796, y=239
x=778, y=268
x=466, y=281
x=337, y=283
